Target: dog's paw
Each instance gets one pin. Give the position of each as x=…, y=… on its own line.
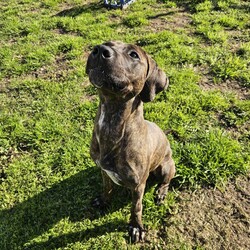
x=161, y=194
x=159, y=199
x=136, y=234
x=99, y=204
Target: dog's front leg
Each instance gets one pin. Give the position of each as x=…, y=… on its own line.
x=107, y=188
x=102, y=201
x=136, y=230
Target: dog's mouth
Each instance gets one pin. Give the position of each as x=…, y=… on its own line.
x=97, y=84
x=113, y=83
x=96, y=77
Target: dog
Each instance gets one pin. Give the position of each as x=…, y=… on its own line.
x=124, y=145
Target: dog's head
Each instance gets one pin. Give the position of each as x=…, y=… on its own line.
x=125, y=70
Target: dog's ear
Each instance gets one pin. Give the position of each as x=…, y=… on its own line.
x=156, y=81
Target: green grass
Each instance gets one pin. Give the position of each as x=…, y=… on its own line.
x=47, y=110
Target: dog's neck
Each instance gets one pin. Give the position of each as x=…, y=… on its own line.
x=122, y=107
x=114, y=118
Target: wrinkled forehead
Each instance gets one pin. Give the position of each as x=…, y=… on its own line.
x=125, y=47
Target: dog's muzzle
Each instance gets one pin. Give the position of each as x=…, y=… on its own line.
x=97, y=65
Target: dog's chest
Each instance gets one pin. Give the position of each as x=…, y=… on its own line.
x=111, y=134
x=110, y=128
x=101, y=123
x=102, y=136
x=104, y=124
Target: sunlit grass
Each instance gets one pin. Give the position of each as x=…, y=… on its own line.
x=47, y=110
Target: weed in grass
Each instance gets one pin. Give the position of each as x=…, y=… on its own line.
x=226, y=65
x=230, y=66
x=169, y=4
x=205, y=6
x=231, y=20
x=214, y=34
x=236, y=116
x=135, y=20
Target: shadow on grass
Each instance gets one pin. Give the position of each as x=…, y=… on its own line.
x=165, y=14
x=69, y=199
x=78, y=10
x=190, y=5
x=65, y=239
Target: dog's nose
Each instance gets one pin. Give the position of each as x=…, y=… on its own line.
x=103, y=51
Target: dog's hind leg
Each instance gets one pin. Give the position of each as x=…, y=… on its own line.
x=164, y=173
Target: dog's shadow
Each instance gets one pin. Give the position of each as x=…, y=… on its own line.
x=69, y=199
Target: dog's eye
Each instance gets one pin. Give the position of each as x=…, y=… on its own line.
x=134, y=55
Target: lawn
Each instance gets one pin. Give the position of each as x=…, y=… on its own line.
x=47, y=108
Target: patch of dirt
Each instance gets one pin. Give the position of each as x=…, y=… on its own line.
x=172, y=20
x=212, y=218
x=58, y=71
x=232, y=86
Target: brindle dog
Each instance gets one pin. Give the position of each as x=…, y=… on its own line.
x=125, y=145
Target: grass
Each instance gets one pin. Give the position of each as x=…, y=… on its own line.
x=47, y=109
